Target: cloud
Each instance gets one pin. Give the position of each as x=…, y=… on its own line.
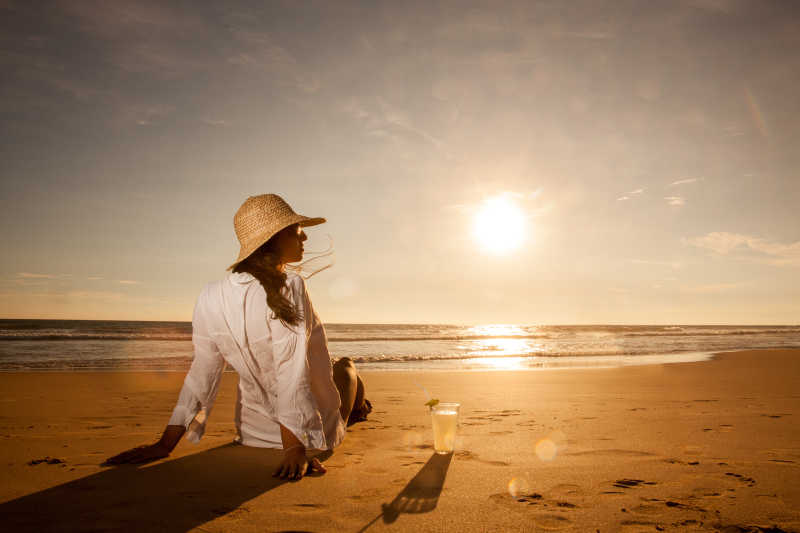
x=683, y=182
x=712, y=288
x=749, y=247
x=675, y=200
x=94, y=278
x=31, y=275
x=389, y=122
x=628, y=195
x=672, y=264
x=259, y=53
x=93, y=295
x=129, y=282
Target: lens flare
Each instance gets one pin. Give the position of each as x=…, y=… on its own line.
x=518, y=486
x=546, y=450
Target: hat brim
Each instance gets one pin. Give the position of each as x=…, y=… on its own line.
x=311, y=222
x=303, y=221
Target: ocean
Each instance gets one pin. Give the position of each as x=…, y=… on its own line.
x=78, y=345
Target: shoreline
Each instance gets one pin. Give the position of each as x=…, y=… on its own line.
x=692, y=446
x=491, y=363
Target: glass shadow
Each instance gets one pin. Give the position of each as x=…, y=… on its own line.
x=421, y=494
x=172, y=496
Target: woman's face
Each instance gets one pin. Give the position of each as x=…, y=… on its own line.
x=289, y=243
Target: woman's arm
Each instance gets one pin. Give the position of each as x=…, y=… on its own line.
x=297, y=413
x=196, y=397
x=295, y=463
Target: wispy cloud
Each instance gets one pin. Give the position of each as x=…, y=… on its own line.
x=672, y=264
x=683, y=181
x=675, y=200
x=387, y=121
x=259, y=53
x=630, y=194
x=712, y=288
x=31, y=275
x=93, y=295
x=94, y=278
x=129, y=282
x=749, y=247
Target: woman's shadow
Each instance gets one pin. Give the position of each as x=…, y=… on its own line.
x=172, y=496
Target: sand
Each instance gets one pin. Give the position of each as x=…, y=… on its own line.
x=711, y=446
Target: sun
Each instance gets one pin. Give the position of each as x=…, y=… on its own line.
x=499, y=225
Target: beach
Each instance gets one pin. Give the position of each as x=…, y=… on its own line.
x=702, y=446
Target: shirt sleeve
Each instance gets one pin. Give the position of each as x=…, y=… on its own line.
x=296, y=407
x=201, y=385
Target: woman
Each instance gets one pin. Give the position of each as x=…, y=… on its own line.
x=260, y=321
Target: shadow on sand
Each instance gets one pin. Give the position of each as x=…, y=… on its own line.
x=421, y=494
x=172, y=496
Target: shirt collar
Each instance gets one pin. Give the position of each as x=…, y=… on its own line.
x=241, y=277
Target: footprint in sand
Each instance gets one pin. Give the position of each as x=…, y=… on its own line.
x=535, y=501
x=307, y=508
x=611, y=451
x=551, y=522
x=743, y=479
x=627, y=483
x=466, y=454
x=684, y=506
x=367, y=494
x=635, y=526
x=647, y=509
x=567, y=490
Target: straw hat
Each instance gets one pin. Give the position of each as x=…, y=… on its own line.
x=260, y=217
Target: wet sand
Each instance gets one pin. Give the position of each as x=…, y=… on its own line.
x=710, y=446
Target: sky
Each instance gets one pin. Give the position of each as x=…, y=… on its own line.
x=649, y=147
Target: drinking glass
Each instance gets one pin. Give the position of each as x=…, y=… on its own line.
x=445, y=421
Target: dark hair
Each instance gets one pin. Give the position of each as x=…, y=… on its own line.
x=263, y=265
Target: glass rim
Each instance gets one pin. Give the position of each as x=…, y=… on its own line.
x=446, y=404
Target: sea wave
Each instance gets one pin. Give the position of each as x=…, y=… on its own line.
x=39, y=363
x=183, y=337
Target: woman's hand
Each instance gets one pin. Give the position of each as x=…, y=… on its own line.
x=140, y=454
x=295, y=464
x=150, y=452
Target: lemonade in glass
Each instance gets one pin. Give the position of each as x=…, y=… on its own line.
x=445, y=422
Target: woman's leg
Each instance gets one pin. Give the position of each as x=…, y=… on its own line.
x=355, y=407
x=346, y=379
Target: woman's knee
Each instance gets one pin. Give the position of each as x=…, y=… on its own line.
x=344, y=362
x=344, y=369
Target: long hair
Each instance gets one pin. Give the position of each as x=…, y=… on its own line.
x=263, y=265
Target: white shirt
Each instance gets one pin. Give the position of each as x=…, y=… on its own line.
x=285, y=373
